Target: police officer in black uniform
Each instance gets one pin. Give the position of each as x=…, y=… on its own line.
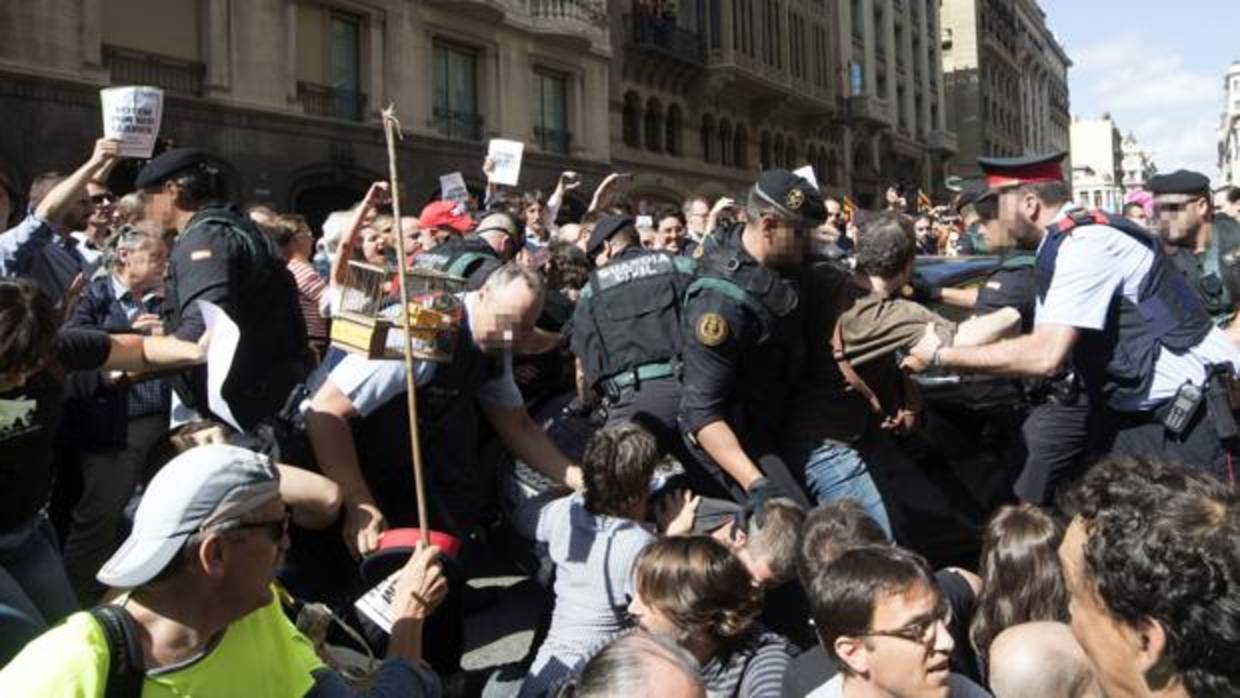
x=1197, y=240
x=743, y=343
x=626, y=328
x=220, y=256
x=497, y=239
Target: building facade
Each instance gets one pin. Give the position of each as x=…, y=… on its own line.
x=1138, y=164
x=289, y=91
x=1229, y=129
x=1007, y=81
x=1097, y=164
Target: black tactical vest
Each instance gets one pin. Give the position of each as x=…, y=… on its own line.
x=470, y=258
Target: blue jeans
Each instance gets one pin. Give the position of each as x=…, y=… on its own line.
x=835, y=471
x=34, y=589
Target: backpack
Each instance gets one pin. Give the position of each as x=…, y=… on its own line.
x=126, y=665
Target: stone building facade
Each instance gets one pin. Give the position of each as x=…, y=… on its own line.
x=1097, y=164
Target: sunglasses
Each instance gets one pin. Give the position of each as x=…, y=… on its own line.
x=275, y=530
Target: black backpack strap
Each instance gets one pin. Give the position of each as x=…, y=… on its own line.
x=126, y=667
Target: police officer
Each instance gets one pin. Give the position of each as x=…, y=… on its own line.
x=743, y=342
x=1109, y=300
x=626, y=328
x=1196, y=240
x=497, y=239
x=221, y=257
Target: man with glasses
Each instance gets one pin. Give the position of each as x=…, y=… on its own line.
x=1109, y=299
x=91, y=239
x=743, y=344
x=1197, y=240
x=881, y=618
x=201, y=616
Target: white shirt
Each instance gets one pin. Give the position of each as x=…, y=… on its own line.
x=1095, y=263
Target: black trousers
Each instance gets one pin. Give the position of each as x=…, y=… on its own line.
x=1056, y=439
x=1142, y=434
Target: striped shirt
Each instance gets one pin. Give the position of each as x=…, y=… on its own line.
x=755, y=669
x=309, y=289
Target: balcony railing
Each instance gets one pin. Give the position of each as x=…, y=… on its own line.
x=593, y=12
x=129, y=67
x=663, y=37
x=324, y=100
x=553, y=140
x=458, y=124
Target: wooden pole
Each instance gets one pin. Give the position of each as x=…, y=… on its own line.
x=391, y=132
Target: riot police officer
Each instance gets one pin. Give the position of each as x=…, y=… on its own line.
x=626, y=328
x=497, y=239
x=1197, y=240
x=221, y=257
x=1146, y=351
x=743, y=342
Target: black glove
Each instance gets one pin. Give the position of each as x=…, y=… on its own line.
x=924, y=291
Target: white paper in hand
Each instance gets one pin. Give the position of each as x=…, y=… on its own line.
x=506, y=155
x=452, y=188
x=807, y=173
x=378, y=603
x=221, y=348
x=132, y=116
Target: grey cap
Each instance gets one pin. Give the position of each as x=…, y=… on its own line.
x=199, y=489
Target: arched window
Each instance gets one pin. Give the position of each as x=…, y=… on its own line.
x=654, y=125
x=708, y=138
x=725, y=142
x=740, y=147
x=764, y=151
x=778, y=156
x=671, y=141
x=790, y=154
x=632, y=120
x=833, y=168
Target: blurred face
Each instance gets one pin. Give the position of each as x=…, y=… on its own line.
x=504, y=316
x=374, y=244
x=1180, y=217
x=159, y=206
x=787, y=243
x=1017, y=212
x=1112, y=646
x=104, y=204
x=907, y=649
x=669, y=234
x=143, y=268
x=695, y=220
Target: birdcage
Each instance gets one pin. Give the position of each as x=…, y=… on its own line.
x=369, y=320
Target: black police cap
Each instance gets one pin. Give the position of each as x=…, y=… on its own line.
x=1180, y=182
x=169, y=163
x=973, y=193
x=791, y=195
x=604, y=229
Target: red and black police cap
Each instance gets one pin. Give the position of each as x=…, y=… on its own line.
x=1002, y=173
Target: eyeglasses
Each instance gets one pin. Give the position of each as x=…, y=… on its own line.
x=275, y=530
x=923, y=631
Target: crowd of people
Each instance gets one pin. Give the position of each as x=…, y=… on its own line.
x=686, y=423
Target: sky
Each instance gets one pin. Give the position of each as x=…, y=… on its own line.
x=1156, y=65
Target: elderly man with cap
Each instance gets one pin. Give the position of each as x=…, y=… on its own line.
x=497, y=238
x=1109, y=300
x=201, y=616
x=1197, y=240
x=625, y=330
x=743, y=343
x=221, y=256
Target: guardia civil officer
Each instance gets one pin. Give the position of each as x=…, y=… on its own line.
x=1110, y=302
x=1196, y=240
x=626, y=328
x=220, y=256
x=743, y=341
x=496, y=240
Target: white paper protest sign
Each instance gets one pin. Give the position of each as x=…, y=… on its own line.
x=506, y=156
x=221, y=348
x=132, y=115
x=377, y=604
x=807, y=173
x=452, y=188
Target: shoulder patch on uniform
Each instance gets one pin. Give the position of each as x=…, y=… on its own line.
x=199, y=255
x=994, y=285
x=712, y=329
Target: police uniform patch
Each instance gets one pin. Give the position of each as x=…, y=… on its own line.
x=199, y=255
x=795, y=199
x=712, y=329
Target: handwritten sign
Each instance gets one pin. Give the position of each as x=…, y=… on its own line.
x=132, y=116
x=506, y=155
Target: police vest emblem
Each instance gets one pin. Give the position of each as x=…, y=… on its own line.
x=712, y=329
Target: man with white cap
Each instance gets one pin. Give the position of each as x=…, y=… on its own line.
x=201, y=618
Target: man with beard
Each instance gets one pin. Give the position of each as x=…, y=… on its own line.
x=1198, y=241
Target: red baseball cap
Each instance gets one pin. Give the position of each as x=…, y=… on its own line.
x=446, y=214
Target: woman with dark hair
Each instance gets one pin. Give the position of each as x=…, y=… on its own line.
x=695, y=591
x=1022, y=580
x=593, y=537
